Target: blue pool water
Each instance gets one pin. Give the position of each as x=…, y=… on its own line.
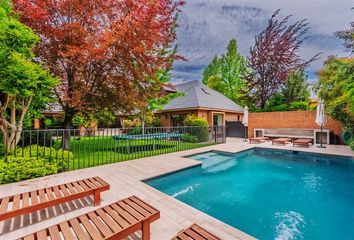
x=271, y=194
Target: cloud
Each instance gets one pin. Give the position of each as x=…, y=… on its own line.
x=206, y=26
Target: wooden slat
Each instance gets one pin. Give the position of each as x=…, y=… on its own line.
x=25, y=200
x=194, y=235
x=183, y=236
x=95, y=183
x=144, y=205
x=54, y=233
x=78, y=187
x=90, y=184
x=108, y=220
x=50, y=194
x=204, y=232
x=137, y=208
x=42, y=235
x=83, y=185
x=64, y=190
x=65, y=230
x=41, y=194
x=129, y=218
x=4, y=204
x=91, y=230
x=130, y=210
x=29, y=237
x=57, y=192
x=71, y=188
x=16, y=204
x=78, y=230
x=101, y=226
x=98, y=179
x=117, y=218
x=34, y=198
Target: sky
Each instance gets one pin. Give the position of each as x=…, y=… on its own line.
x=206, y=27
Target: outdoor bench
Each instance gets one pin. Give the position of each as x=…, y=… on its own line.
x=115, y=221
x=24, y=203
x=195, y=232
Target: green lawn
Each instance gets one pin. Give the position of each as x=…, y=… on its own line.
x=95, y=151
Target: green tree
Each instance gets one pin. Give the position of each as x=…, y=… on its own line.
x=23, y=82
x=336, y=87
x=296, y=88
x=348, y=37
x=227, y=73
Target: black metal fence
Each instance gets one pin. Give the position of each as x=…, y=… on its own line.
x=71, y=149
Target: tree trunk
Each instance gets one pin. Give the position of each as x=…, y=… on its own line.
x=66, y=135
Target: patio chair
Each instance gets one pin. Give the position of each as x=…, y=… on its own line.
x=115, y=221
x=302, y=142
x=195, y=232
x=258, y=139
x=24, y=203
x=283, y=141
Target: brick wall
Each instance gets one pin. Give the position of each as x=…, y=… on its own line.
x=296, y=119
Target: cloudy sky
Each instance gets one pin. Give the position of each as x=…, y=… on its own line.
x=206, y=26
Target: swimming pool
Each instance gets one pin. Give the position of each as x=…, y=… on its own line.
x=270, y=194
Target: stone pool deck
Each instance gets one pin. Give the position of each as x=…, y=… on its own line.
x=125, y=180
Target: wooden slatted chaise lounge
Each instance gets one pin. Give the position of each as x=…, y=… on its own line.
x=302, y=142
x=283, y=141
x=258, y=139
x=115, y=221
x=195, y=232
x=28, y=202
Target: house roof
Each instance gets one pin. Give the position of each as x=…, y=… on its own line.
x=197, y=95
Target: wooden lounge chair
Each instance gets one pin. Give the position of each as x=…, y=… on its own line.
x=195, y=232
x=283, y=141
x=28, y=202
x=115, y=221
x=302, y=142
x=258, y=139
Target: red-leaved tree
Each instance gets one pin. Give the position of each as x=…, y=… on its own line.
x=275, y=55
x=106, y=52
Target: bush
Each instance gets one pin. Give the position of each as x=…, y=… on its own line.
x=199, y=127
x=16, y=169
x=189, y=138
x=280, y=108
x=351, y=144
x=296, y=106
x=31, y=162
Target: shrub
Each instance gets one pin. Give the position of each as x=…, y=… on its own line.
x=31, y=162
x=189, y=138
x=197, y=127
x=280, y=108
x=351, y=144
x=296, y=106
x=15, y=169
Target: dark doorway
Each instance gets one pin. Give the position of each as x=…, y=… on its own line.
x=235, y=129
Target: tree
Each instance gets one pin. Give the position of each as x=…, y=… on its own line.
x=274, y=56
x=23, y=82
x=336, y=87
x=296, y=88
x=227, y=73
x=104, y=51
x=348, y=37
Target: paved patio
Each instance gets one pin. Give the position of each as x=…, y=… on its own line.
x=125, y=179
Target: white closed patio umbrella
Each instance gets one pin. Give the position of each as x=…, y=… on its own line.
x=245, y=121
x=321, y=118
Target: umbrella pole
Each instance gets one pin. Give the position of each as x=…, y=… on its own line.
x=245, y=140
x=321, y=145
